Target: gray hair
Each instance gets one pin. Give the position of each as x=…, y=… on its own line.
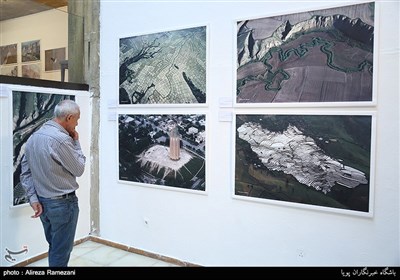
x=66, y=107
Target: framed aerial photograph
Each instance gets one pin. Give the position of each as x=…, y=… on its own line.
x=31, y=70
x=311, y=161
x=166, y=151
x=164, y=68
x=52, y=59
x=30, y=51
x=323, y=57
x=30, y=111
x=8, y=54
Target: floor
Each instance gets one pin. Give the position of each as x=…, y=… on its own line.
x=91, y=253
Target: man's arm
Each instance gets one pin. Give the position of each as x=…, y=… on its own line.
x=71, y=157
x=27, y=184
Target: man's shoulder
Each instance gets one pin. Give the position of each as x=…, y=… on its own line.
x=50, y=131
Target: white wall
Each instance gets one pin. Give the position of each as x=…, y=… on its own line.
x=216, y=229
x=17, y=228
x=50, y=27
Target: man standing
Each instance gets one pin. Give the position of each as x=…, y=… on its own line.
x=53, y=159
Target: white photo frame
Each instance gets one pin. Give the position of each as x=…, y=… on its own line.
x=41, y=103
x=259, y=77
x=144, y=151
x=181, y=89
x=306, y=160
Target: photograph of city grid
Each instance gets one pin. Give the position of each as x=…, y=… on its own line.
x=30, y=111
x=316, y=56
x=321, y=160
x=165, y=150
x=163, y=68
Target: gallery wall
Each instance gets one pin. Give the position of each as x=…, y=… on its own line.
x=216, y=227
x=22, y=237
x=49, y=27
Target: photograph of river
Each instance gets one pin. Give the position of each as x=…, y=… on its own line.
x=322, y=160
x=315, y=56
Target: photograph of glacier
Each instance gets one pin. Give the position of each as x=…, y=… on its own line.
x=321, y=160
x=30, y=111
x=163, y=68
x=316, y=56
x=163, y=150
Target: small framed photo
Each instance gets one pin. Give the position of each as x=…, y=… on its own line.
x=30, y=51
x=8, y=54
x=31, y=70
x=52, y=59
x=11, y=70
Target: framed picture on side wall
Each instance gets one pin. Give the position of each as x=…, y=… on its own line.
x=310, y=161
x=30, y=111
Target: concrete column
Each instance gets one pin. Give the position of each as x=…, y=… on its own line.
x=75, y=42
x=84, y=67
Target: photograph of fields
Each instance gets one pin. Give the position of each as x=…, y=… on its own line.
x=316, y=56
x=30, y=111
x=321, y=160
x=163, y=68
x=163, y=150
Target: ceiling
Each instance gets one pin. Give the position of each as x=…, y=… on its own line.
x=10, y=9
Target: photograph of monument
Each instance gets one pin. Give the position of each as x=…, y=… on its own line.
x=322, y=160
x=30, y=111
x=164, y=150
x=163, y=68
x=316, y=56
